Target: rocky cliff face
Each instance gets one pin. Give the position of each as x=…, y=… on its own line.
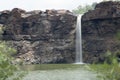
x=40, y=37
x=99, y=29
x=49, y=37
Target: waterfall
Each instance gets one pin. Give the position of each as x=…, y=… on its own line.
x=79, y=59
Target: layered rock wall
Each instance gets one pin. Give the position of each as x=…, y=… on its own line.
x=40, y=37
x=100, y=29
x=49, y=37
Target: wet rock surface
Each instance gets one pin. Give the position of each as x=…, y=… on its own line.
x=100, y=28
x=40, y=37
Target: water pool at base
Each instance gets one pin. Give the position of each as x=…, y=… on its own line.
x=58, y=72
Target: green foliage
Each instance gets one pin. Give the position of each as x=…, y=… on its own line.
x=82, y=9
x=106, y=71
x=111, y=58
x=8, y=51
x=110, y=70
x=117, y=36
x=7, y=69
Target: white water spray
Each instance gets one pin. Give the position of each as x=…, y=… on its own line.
x=79, y=59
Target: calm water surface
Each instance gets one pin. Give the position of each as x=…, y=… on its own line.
x=58, y=72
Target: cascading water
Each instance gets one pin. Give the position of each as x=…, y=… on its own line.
x=79, y=59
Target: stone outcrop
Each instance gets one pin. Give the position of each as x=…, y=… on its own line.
x=100, y=31
x=40, y=37
x=104, y=10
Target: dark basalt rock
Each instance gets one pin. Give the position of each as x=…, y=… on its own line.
x=40, y=37
x=49, y=37
x=99, y=29
x=103, y=10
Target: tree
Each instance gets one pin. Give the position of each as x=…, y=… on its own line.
x=82, y=9
x=7, y=69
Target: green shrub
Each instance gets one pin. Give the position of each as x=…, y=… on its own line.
x=7, y=69
x=110, y=70
x=107, y=71
x=111, y=58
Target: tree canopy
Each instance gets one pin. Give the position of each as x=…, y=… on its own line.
x=82, y=9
